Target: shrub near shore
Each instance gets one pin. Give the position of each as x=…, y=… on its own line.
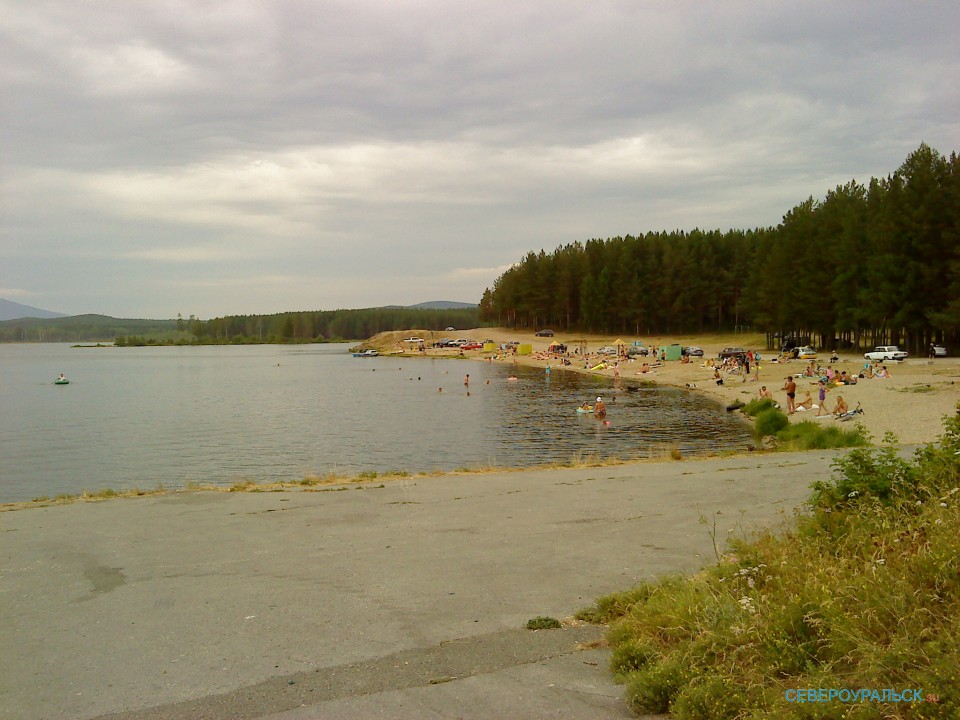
x=863, y=593
x=769, y=420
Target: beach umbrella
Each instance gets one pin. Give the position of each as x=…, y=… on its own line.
x=619, y=342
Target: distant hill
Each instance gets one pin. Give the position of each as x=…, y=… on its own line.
x=10, y=310
x=82, y=328
x=442, y=305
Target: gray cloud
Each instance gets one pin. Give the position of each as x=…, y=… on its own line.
x=247, y=156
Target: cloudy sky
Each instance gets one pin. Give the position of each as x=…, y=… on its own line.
x=212, y=158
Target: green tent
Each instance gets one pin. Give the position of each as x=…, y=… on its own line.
x=673, y=352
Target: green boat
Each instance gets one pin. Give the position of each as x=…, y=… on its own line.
x=61, y=381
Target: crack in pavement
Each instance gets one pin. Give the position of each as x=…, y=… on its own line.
x=447, y=662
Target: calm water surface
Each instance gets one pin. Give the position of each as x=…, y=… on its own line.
x=138, y=417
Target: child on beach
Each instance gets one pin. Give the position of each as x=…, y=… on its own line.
x=822, y=398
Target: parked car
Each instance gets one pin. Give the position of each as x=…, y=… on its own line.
x=544, y=333
x=886, y=352
x=692, y=351
x=806, y=353
x=471, y=346
x=414, y=340
x=732, y=352
x=938, y=351
x=792, y=342
x=607, y=350
x=637, y=350
x=449, y=329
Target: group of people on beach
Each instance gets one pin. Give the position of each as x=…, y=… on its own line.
x=790, y=387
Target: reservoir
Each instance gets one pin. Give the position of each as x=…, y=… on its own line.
x=173, y=416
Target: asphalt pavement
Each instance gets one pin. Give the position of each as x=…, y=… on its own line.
x=395, y=600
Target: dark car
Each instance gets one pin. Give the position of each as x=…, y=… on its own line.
x=692, y=351
x=792, y=342
x=544, y=333
x=732, y=352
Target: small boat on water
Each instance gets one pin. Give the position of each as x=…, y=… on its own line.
x=366, y=353
x=61, y=381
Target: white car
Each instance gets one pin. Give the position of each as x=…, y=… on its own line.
x=414, y=339
x=607, y=350
x=885, y=353
x=938, y=351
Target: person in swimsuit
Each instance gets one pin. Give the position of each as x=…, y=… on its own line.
x=822, y=398
x=791, y=387
x=599, y=409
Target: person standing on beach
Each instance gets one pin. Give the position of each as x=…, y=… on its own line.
x=791, y=387
x=822, y=398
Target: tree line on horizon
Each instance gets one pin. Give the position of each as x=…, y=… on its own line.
x=328, y=325
x=867, y=265
x=288, y=327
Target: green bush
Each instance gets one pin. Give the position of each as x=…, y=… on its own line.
x=877, y=474
x=769, y=422
x=713, y=698
x=652, y=689
x=755, y=407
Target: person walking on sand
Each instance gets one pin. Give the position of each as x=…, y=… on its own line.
x=822, y=398
x=599, y=409
x=791, y=387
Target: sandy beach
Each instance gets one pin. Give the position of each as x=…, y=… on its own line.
x=911, y=404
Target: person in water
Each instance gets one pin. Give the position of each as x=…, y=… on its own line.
x=599, y=409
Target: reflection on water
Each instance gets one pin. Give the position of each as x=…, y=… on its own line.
x=137, y=417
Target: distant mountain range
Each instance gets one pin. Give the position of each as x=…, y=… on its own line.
x=442, y=305
x=10, y=310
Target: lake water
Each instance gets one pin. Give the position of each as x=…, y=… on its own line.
x=139, y=417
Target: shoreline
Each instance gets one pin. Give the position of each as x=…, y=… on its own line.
x=911, y=404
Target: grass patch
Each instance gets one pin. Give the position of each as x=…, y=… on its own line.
x=543, y=623
x=245, y=486
x=917, y=388
x=808, y=435
x=769, y=420
x=862, y=592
